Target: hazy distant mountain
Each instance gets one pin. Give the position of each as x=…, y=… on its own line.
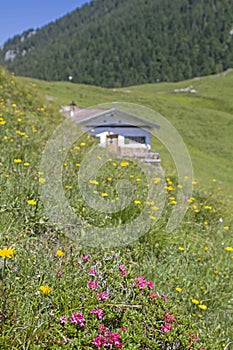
x=125, y=42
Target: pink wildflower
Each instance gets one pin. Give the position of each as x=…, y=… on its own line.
x=123, y=270
x=102, y=295
x=63, y=319
x=92, y=284
x=166, y=328
x=102, y=328
x=59, y=273
x=97, y=312
x=150, y=285
x=85, y=258
x=99, y=341
x=91, y=272
x=77, y=319
x=153, y=295
x=169, y=318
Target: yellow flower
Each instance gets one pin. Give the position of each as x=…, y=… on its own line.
x=42, y=180
x=206, y=248
x=77, y=164
x=104, y=194
x=229, y=249
x=7, y=252
x=32, y=202
x=124, y=163
x=202, y=307
x=195, y=301
x=157, y=180
x=45, y=289
x=154, y=208
x=26, y=164
x=226, y=228
x=137, y=202
x=60, y=253
x=93, y=182
x=17, y=161
x=82, y=144
x=181, y=249
x=178, y=289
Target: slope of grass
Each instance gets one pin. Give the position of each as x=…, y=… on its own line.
x=203, y=119
x=47, y=281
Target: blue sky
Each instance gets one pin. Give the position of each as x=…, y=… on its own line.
x=16, y=16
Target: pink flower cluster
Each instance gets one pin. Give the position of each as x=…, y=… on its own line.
x=102, y=295
x=123, y=270
x=77, y=319
x=97, y=312
x=169, y=318
x=166, y=328
x=92, y=284
x=107, y=339
x=142, y=283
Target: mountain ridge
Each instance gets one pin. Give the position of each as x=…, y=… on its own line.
x=114, y=43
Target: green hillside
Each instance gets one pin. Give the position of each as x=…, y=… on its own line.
x=203, y=119
x=158, y=291
x=115, y=43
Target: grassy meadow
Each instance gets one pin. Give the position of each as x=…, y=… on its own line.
x=163, y=291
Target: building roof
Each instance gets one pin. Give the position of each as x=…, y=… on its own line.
x=92, y=118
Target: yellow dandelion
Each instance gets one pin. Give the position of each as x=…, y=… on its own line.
x=124, y=163
x=17, y=161
x=181, y=249
x=26, y=164
x=60, y=253
x=42, y=180
x=195, y=301
x=137, y=202
x=77, y=164
x=157, y=180
x=31, y=202
x=154, y=208
x=226, y=228
x=229, y=249
x=93, y=182
x=178, y=289
x=7, y=252
x=45, y=289
x=202, y=307
x=104, y=194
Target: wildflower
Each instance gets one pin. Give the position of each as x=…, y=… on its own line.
x=60, y=253
x=32, y=202
x=103, y=194
x=181, y=249
x=102, y=295
x=153, y=295
x=123, y=270
x=195, y=301
x=17, y=161
x=137, y=202
x=202, y=307
x=97, y=312
x=26, y=164
x=41, y=180
x=229, y=249
x=168, y=317
x=77, y=319
x=92, y=284
x=102, y=328
x=7, y=252
x=178, y=289
x=85, y=258
x=124, y=163
x=59, y=273
x=166, y=328
x=45, y=289
x=63, y=319
x=226, y=228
